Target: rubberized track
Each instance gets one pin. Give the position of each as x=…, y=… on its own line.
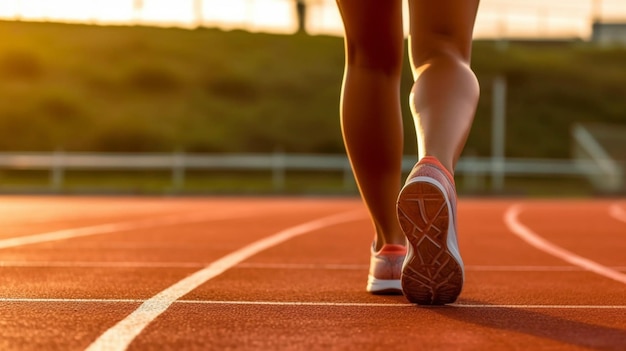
x=289, y=274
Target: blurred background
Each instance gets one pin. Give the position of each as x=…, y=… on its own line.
x=242, y=96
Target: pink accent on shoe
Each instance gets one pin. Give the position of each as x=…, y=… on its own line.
x=435, y=162
x=433, y=268
x=386, y=269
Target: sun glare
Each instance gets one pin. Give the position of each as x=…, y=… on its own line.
x=69, y=10
x=113, y=11
x=8, y=10
x=530, y=18
x=32, y=9
x=162, y=12
x=274, y=14
x=227, y=14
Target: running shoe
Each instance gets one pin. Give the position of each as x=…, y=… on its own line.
x=432, y=273
x=385, y=270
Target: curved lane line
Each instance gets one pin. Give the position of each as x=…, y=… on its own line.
x=64, y=234
x=617, y=212
x=512, y=221
x=124, y=332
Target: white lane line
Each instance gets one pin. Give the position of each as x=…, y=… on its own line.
x=365, y=304
x=161, y=221
x=617, y=212
x=512, y=221
x=284, y=266
x=42, y=300
x=327, y=266
x=83, y=264
x=548, y=307
x=122, y=334
x=533, y=268
x=312, y=303
x=360, y=267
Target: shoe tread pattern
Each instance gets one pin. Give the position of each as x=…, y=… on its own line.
x=431, y=276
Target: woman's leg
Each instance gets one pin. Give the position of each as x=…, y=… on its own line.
x=370, y=107
x=443, y=102
x=445, y=93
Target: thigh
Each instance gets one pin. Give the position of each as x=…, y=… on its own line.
x=373, y=32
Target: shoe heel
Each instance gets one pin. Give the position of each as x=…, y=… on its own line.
x=431, y=275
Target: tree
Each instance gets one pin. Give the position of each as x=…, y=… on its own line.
x=301, y=12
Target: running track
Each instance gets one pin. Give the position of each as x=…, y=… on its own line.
x=289, y=274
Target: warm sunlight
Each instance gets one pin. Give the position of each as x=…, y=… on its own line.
x=531, y=18
x=271, y=15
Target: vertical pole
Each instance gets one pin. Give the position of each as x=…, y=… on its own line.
x=56, y=174
x=348, y=177
x=471, y=178
x=178, y=171
x=498, y=133
x=301, y=8
x=278, y=170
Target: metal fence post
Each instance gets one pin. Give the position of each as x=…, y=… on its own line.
x=348, y=177
x=57, y=171
x=472, y=179
x=278, y=170
x=498, y=133
x=178, y=171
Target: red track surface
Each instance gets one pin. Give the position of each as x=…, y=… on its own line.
x=305, y=293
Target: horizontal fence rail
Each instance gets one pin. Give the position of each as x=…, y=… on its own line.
x=57, y=163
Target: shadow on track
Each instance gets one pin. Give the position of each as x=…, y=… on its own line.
x=537, y=324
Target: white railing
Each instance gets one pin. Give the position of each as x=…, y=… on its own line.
x=472, y=169
x=611, y=177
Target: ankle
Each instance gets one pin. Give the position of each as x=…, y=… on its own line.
x=397, y=239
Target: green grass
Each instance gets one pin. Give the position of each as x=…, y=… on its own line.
x=262, y=183
x=90, y=88
x=154, y=89
x=134, y=89
x=162, y=183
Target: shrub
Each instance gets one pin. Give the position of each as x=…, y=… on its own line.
x=21, y=65
x=152, y=79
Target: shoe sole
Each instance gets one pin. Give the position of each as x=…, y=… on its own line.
x=431, y=274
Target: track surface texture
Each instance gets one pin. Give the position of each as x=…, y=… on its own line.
x=116, y=273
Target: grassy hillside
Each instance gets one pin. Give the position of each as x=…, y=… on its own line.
x=87, y=88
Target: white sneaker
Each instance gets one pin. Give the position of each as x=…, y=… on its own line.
x=385, y=270
x=433, y=269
